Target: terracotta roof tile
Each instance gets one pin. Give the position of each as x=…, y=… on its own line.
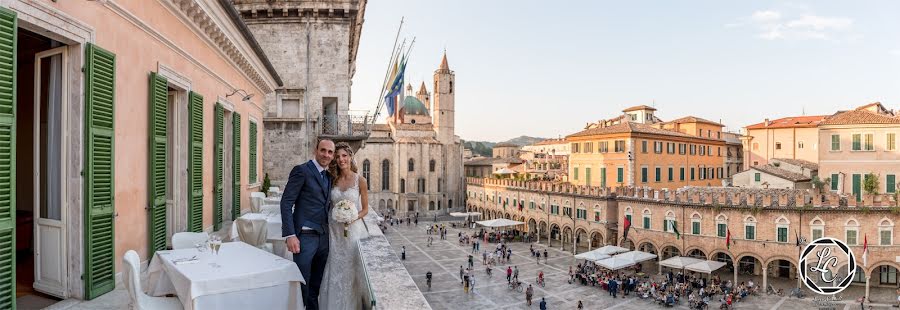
x=799, y=163
x=632, y=128
x=791, y=122
x=693, y=119
x=639, y=107
x=859, y=117
x=506, y=144
x=781, y=173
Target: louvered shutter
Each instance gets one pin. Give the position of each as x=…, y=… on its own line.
x=219, y=153
x=251, y=137
x=158, y=90
x=99, y=233
x=8, y=27
x=236, y=166
x=195, y=163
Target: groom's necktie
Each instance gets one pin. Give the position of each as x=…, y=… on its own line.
x=324, y=178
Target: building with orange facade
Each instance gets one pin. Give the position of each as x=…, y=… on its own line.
x=639, y=149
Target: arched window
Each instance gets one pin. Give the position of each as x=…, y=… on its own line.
x=411, y=165
x=886, y=232
x=439, y=185
x=695, y=223
x=817, y=228
x=851, y=231
x=782, y=226
x=646, y=218
x=721, y=226
x=669, y=222
x=431, y=165
x=385, y=175
x=750, y=228
x=431, y=205
x=366, y=172
x=402, y=186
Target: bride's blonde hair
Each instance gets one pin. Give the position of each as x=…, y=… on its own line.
x=333, y=166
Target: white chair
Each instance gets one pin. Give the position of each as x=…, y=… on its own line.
x=256, y=200
x=274, y=209
x=140, y=300
x=274, y=191
x=254, y=232
x=187, y=240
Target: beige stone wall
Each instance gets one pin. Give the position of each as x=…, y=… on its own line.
x=747, y=179
x=762, y=146
x=846, y=162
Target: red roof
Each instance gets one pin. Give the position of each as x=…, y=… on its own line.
x=639, y=107
x=791, y=122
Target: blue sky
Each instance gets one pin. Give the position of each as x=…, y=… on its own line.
x=546, y=68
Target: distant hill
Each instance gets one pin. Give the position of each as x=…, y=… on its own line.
x=485, y=148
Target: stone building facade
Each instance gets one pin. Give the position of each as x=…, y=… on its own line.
x=764, y=224
x=414, y=163
x=313, y=46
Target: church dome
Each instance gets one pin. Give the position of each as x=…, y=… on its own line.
x=412, y=106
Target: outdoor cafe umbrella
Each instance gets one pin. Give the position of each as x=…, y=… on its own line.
x=611, y=250
x=679, y=262
x=637, y=256
x=505, y=171
x=707, y=266
x=615, y=263
x=499, y=223
x=592, y=256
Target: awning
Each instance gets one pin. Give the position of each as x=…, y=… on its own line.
x=499, y=223
x=615, y=263
x=505, y=171
x=464, y=214
x=679, y=262
x=611, y=250
x=593, y=255
x=707, y=266
x=637, y=256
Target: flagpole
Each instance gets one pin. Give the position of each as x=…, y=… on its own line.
x=387, y=72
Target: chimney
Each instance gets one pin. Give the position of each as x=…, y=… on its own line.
x=767, y=122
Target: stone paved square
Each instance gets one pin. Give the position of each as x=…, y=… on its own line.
x=444, y=257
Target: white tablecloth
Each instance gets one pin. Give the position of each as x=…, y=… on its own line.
x=249, y=278
x=272, y=201
x=273, y=234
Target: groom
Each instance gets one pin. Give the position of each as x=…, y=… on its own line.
x=304, y=218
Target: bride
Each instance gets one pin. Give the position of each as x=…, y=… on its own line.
x=342, y=272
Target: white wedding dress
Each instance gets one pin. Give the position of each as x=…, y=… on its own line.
x=342, y=282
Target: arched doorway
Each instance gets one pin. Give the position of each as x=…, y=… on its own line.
x=543, y=232
x=382, y=207
x=749, y=265
x=727, y=271
x=697, y=253
x=581, y=239
x=628, y=244
x=670, y=251
x=782, y=268
x=647, y=247
x=554, y=234
x=566, y=238
x=597, y=240
x=532, y=226
x=390, y=207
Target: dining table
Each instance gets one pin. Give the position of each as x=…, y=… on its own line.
x=240, y=276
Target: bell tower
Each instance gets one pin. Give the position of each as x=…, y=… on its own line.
x=442, y=113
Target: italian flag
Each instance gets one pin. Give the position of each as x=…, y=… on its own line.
x=627, y=226
x=675, y=228
x=728, y=239
x=866, y=251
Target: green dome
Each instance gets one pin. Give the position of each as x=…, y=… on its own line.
x=412, y=106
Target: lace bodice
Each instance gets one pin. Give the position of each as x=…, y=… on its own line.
x=351, y=193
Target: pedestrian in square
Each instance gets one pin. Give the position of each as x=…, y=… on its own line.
x=545, y=255
x=403, y=252
x=461, y=274
x=543, y=304
x=516, y=273
x=474, y=247
x=508, y=274
x=471, y=261
x=529, y=292
x=472, y=283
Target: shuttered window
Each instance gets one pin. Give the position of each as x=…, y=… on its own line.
x=218, y=173
x=8, y=27
x=99, y=174
x=236, y=165
x=251, y=137
x=195, y=163
x=890, y=183
x=158, y=104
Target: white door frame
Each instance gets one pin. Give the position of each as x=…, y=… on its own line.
x=52, y=287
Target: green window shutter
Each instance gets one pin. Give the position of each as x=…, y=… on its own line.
x=695, y=227
x=99, y=177
x=602, y=177
x=252, y=141
x=218, y=155
x=236, y=164
x=891, y=183
x=620, y=173
x=195, y=164
x=8, y=29
x=646, y=223
x=158, y=90
x=721, y=230
x=576, y=172
x=834, y=181
x=587, y=176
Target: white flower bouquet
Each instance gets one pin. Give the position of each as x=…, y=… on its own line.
x=344, y=212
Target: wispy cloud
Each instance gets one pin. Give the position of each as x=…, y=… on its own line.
x=895, y=52
x=774, y=25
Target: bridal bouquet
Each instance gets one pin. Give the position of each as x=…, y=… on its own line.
x=344, y=212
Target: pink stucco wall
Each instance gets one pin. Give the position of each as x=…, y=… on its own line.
x=137, y=54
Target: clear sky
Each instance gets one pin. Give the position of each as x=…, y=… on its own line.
x=546, y=68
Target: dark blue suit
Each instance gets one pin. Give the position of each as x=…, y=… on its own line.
x=305, y=203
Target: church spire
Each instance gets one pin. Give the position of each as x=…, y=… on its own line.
x=422, y=89
x=444, y=65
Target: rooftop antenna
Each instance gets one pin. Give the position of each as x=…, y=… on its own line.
x=803, y=111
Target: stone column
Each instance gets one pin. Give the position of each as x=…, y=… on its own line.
x=658, y=261
x=538, y=234
x=765, y=275
x=736, y=265
x=590, y=241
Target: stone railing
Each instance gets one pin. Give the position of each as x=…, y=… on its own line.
x=712, y=196
x=386, y=283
